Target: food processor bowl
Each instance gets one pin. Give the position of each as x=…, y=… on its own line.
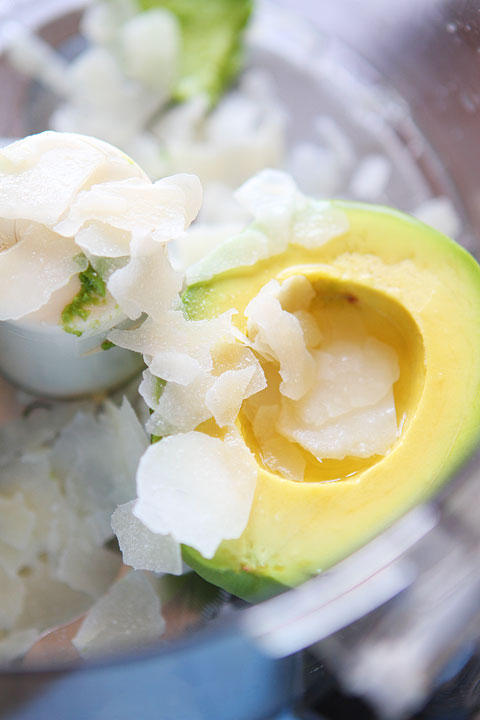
x=395, y=625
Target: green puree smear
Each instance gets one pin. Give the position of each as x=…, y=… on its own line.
x=92, y=292
x=212, y=32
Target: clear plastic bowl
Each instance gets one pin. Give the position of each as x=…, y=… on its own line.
x=403, y=81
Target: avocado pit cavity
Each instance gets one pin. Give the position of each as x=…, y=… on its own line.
x=330, y=382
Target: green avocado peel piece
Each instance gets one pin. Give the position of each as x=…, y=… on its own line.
x=212, y=34
x=416, y=290
x=245, y=585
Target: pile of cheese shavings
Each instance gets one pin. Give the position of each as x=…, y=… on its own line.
x=63, y=472
x=282, y=216
x=330, y=396
x=193, y=488
x=69, y=201
x=121, y=86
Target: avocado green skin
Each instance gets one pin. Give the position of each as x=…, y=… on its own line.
x=382, y=232
x=212, y=51
x=245, y=585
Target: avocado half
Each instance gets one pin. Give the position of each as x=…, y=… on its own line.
x=416, y=290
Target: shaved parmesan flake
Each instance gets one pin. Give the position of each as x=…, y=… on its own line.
x=279, y=334
x=349, y=375
x=100, y=239
x=149, y=389
x=142, y=549
x=288, y=216
x=8, y=235
x=101, y=21
x=181, y=407
x=264, y=421
x=103, y=476
x=318, y=223
x=41, y=261
x=224, y=398
x=230, y=354
x=48, y=602
x=350, y=409
x=129, y=432
x=16, y=521
x=283, y=458
x=199, y=241
x=173, y=332
x=136, y=206
x=311, y=332
x=41, y=176
x=363, y=432
x=197, y=489
x=85, y=567
x=128, y=615
x=295, y=293
x=32, y=55
x=150, y=47
x=271, y=198
x=51, y=312
x=148, y=283
x=242, y=250
x=192, y=193
x=282, y=216
x=175, y=367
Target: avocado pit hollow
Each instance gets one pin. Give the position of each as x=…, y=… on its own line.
x=348, y=311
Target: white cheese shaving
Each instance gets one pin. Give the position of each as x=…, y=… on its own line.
x=282, y=216
x=177, y=367
x=280, y=457
x=350, y=409
x=279, y=334
x=148, y=283
x=224, y=398
x=128, y=616
x=16, y=522
x=349, y=375
x=84, y=566
x=103, y=240
x=41, y=261
x=363, y=432
x=181, y=407
x=142, y=549
x=197, y=489
x=271, y=198
x=137, y=206
x=149, y=389
x=174, y=333
x=41, y=177
x=150, y=47
x=283, y=458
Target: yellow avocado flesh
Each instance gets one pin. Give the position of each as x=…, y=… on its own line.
x=413, y=289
